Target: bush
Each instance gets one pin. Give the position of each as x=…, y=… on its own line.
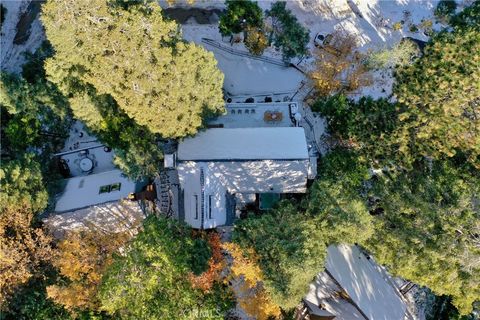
x=401, y=54
x=397, y=26
x=256, y=41
x=445, y=9
x=427, y=27
x=201, y=253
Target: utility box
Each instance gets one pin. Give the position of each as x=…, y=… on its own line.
x=169, y=160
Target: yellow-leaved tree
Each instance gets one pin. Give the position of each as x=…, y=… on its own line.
x=251, y=294
x=82, y=259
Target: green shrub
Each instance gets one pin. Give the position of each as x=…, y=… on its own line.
x=201, y=253
x=445, y=9
x=401, y=54
x=397, y=26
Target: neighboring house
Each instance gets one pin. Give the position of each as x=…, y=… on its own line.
x=91, y=189
x=94, y=187
x=353, y=287
x=251, y=155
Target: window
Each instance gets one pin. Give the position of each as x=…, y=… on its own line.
x=104, y=189
x=115, y=187
x=195, y=203
x=110, y=188
x=209, y=207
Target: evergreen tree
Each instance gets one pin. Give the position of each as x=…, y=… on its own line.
x=290, y=242
x=288, y=34
x=440, y=99
x=289, y=248
x=366, y=125
x=239, y=16
x=33, y=115
x=150, y=280
x=335, y=200
x=426, y=230
x=135, y=56
x=22, y=184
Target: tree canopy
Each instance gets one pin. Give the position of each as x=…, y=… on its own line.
x=287, y=33
x=82, y=258
x=34, y=114
x=426, y=229
x=23, y=249
x=22, y=184
x=240, y=15
x=440, y=98
x=150, y=280
x=421, y=193
x=290, y=251
x=290, y=242
x=135, y=56
x=347, y=121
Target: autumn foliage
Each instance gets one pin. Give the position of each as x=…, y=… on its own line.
x=216, y=263
x=83, y=258
x=251, y=295
x=339, y=66
x=23, y=249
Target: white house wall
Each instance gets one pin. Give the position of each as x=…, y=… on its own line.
x=267, y=176
x=83, y=191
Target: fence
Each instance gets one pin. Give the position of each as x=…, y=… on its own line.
x=217, y=45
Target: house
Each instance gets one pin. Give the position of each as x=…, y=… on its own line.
x=353, y=287
x=94, y=189
x=251, y=155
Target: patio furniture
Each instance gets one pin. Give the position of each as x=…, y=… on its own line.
x=272, y=116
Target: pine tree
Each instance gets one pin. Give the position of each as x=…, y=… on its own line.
x=440, y=94
x=288, y=34
x=33, y=115
x=22, y=184
x=135, y=56
x=240, y=15
x=426, y=230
